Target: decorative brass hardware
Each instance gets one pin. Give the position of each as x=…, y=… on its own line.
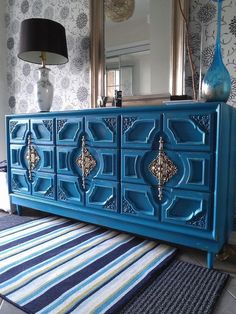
x=85, y=161
x=32, y=157
x=162, y=168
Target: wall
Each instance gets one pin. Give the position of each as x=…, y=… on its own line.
x=71, y=81
x=203, y=17
x=4, y=108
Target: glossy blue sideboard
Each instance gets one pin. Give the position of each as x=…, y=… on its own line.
x=165, y=172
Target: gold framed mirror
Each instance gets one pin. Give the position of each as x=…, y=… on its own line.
x=177, y=56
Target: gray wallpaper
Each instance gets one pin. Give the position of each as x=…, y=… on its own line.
x=72, y=80
x=203, y=19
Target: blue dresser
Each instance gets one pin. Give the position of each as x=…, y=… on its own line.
x=165, y=172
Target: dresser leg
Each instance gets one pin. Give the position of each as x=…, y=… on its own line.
x=210, y=260
x=18, y=210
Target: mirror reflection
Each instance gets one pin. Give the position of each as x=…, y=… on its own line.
x=138, y=43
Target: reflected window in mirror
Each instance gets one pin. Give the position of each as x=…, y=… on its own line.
x=119, y=76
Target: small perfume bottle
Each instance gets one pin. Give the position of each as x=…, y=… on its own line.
x=102, y=101
x=117, y=100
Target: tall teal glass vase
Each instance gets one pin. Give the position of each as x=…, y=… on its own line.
x=216, y=85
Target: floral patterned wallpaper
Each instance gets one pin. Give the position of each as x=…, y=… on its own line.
x=203, y=20
x=72, y=80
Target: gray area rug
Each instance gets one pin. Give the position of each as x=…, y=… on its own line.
x=11, y=220
x=182, y=288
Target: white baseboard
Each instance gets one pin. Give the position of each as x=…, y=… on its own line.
x=232, y=239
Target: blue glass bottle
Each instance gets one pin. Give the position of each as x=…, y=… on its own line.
x=216, y=85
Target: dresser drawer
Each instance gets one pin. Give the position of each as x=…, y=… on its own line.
x=190, y=130
x=100, y=163
x=44, y=157
x=18, y=130
x=44, y=185
x=70, y=190
x=103, y=196
x=69, y=131
x=103, y=130
x=189, y=209
x=19, y=182
x=193, y=170
x=42, y=131
x=140, y=131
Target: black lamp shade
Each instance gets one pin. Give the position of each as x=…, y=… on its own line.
x=42, y=35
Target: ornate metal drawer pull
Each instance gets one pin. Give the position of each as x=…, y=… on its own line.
x=86, y=162
x=32, y=157
x=162, y=168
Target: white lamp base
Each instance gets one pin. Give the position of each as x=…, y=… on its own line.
x=45, y=90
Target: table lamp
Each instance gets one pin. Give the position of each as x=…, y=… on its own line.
x=43, y=41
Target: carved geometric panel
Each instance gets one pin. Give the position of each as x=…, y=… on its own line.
x=18, y=130
x=102, y=194
x=43, y=185
x=139, y=200
x=42, y=131
x=19, y=182
x=186, y=208
x=69, y=190
x=68, y=131
x=102, y=131
x=189, y=131
x=140, y=132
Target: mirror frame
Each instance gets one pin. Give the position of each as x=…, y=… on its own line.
x=97, y=56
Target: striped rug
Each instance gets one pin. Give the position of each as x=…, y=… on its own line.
x=56, y=265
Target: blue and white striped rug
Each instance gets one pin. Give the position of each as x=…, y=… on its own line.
x=57, y=265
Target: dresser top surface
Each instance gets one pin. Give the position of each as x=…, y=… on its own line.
x=180, y=106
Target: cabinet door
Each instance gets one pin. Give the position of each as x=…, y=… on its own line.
x=42, y=131
x=46, y=161
x=67, y=160
x=106, y=164
x=19, y=182
x=102, y=130
x=18, y=128
x=103, y=195
x=68, y=130
x=187, y=208
x=17, y=156
x=140, y=201
x=140, y=130
x=69, y=190
x=43, y=185
x=193, y=130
